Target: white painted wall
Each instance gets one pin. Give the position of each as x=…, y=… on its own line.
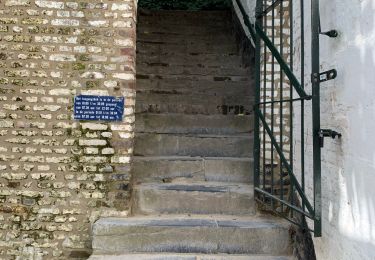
x=348, y=105
x=249, y=6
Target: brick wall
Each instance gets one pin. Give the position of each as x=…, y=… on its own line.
x=58, y=175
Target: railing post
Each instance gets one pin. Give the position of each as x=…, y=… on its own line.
x=257, y=100
x=315, y=30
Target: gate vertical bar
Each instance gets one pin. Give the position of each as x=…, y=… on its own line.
x=257, y=99
x=302, y=101
x=272, y=105
x=264, y=25
x=291, y=64
x=281, y=105
x=315, y=31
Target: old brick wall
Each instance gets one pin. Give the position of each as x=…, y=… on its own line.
x=58, y=175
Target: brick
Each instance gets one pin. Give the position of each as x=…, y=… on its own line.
x=108, y=151
x=49, y=4
x=94, y=126
x=91, y=150
x=62, y=57
x=92, y=142
x=65, y=22
x=11, y=3
x=6, y=124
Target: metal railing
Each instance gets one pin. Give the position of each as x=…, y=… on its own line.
x=277, y=112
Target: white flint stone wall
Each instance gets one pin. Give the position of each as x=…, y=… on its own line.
x=58, y=175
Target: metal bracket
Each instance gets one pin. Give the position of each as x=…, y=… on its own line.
x=331, y=33
x=324, y=76
x=327, y=133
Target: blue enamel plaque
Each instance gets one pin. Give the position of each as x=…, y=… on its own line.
x=106, y=108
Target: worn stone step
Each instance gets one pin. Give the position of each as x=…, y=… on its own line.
x=176, y=20
x=193, y=104
x=190, y=59
x=194, y=198
x=210, y=169
x=197, y=78
x=193, y=124
x=191, y=28
x=185, y=27
x=200, y=33
x=218, y=108
x=192, y=86
x=171, y=256
x=210, y=57
x=183, y=39
x=180, y=17
x=221, y=89
x=194, y=47
x=164, y=68
x=201, y=87
x=195, y=234
x=146, y=36
x=193, y=145
x=199, y=19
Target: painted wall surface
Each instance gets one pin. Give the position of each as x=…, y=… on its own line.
x=348, y=106
x=249, y=6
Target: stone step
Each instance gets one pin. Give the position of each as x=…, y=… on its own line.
x=193, y=198
x=146, y=36
x=198, y=19
x=197, y=78
x=171, y=256
x=194, y=234
x=190, y=59
x=193, y=104
x=195, y=47
x=189, y=28
x=164, y=68
x=207, y=19
x=185, y=27
x=183, y=39
x=193, y=145
x=219, y=109
x=201, y=87
x=180, y=17
x=193, y=124
x=210, y=169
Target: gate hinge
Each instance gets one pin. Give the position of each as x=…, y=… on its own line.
x=327, y=133
x=324, y=76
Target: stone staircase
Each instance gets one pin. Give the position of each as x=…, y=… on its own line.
x=193, y=196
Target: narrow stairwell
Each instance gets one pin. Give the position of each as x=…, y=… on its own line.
x=193, y=194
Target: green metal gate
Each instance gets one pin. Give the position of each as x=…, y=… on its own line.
x=281, y=106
